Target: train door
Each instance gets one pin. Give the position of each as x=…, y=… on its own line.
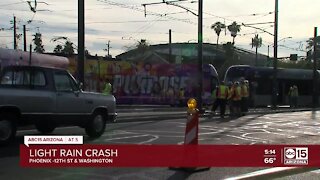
x=281, y=98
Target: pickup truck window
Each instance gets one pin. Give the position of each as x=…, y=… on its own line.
x=38, y=79
x=63, y=82
x=6, y=78
x=22, y=78
x=16, y=78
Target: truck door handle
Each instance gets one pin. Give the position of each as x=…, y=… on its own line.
x=89, y=102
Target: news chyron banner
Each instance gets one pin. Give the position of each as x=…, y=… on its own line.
x=69, y=151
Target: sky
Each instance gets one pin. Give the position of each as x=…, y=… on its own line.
x=123, y=23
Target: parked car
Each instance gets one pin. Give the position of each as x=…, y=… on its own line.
x=48, y=98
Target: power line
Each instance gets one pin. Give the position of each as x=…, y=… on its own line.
x=2, y=5
x=253, y=14
x=120, y=22
x=142, y=10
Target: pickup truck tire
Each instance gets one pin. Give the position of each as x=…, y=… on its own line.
x=45, y=127
x=8, y=128
x=96, y=125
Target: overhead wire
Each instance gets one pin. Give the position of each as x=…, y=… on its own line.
x=10, y=4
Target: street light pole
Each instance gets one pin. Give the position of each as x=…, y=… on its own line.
x=200, y=41
x=315, y=76
x=275, y=59
x=81, y=52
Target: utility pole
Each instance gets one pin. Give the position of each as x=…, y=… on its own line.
x=24, y=38
x=14, y=33
x=275, y=60
x=81, y=51
x=30, y=55
x=200, y=41
x=170, y=47
x=108, y=48
x=315, y=76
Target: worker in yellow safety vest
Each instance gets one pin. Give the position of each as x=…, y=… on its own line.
x=235, y=97
x=245, y=96
x=181, y=97
x=107, y=88
x=221, y=99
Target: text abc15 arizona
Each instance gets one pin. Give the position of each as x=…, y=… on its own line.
x=295, y=156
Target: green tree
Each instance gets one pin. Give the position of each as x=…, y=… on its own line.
x=68, y=48
x=310, y=42
x=37, y=40
x=58, y=49
x=218, y=26
x=310, y=47
x=234, y=28
x=256, y=42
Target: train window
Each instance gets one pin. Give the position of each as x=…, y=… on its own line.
x=263, y=86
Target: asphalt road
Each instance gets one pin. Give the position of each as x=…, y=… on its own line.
x=256, y=128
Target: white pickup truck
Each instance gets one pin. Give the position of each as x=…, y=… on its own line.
x=48, y=98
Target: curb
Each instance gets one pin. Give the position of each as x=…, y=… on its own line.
x=272, y=173
x=267, y=111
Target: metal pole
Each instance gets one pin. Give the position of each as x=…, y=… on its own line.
x=14, y=33
x=30, y=55
x=81, y=51
x=99, y=76
x=275, y=60
x=108, y=49
x=24, y=38
x=315, y=75
x=256, y=63
x=200, y=40
x=170, y=47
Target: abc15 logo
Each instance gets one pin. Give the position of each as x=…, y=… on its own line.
x=299, y=153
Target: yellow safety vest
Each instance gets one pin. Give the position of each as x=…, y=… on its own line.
x=222, y=92
x=181, y=93
x=107, y=89
x=244, y=91
x=237, y=94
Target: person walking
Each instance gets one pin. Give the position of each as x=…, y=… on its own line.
x=221, y=99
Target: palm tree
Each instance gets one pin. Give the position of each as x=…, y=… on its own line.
x=234, y=28
x=218, y=26
x=68, y=48
x=142, y=45
x=256, y=42
x=58, y=49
